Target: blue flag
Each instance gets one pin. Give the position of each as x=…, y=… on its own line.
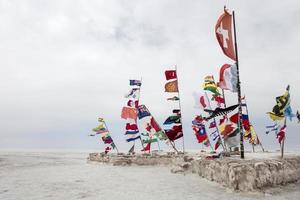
x=143, y=112
x=135, y=82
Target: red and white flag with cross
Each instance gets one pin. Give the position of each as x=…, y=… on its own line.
x=224, y=34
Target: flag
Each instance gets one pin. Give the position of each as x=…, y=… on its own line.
x=132, y=103
x=200, y=132
x=281, y=134
x=212, y=125
x=107, y=139
x=272, y=128
x=174, y=133
x=113, y=145
x=129, y=113
x=131, y=126
x=282, y=103
x=155, y=125
x=100, y=119
x=226, y=129
x=289, y=113
x=228, y=78
x=171, y=86
x=143, y=111
x=132, y=138
x=147, y=147
x=173, y=119
x=220, y=100
x=220, y=111
x=214, y=135
x=222, y=120
x=234, y=118
x=224, y=34
x=100, y=129
x=131, y=132
x=218, y=143
x=170, y=74
x=298, y=116
x=173, y=98
x=246, y=122
x=210, y=85
x=135, y=82
x=106, y=150
x=176, y=111
x=198, y=120
x=200, y=101
x=254, y=138
x=150, y=140
x=134, y=93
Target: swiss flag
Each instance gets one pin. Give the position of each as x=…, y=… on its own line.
x=224, y=34
x=170, y=74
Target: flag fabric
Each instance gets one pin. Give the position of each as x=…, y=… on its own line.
x=212, y=125
x=282, y=103
x=107, y=139
x=214, y=135
x=100, y=129
x=176, y=111
x=132, y=138
x=224, y=34
x=147, y=147
x=173, y=98
x=289, y=113
x=171, y=86
x=218, y=143
x=106, y=150
x=222, y=120
x=254, y=138
x=198, y=120
x=228, y=78
x=173, y=119
x=219, y=99
x=220, y=111
x=155, y=125
x=200, y=133
x=129, y=113
x=170, y=74
x=131, y=126
x=135, y=82
x=134, y=93
x=200, y=101
x=100, y=119
x=210, y=85
x=150, y=140
x=272, y=128
x=298, y=116
x=246, y=122
x=133, y=103
x=143, y=111
x=281, y=134
x=234, y=118
x=174, y=133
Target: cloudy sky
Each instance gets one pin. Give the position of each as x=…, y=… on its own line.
x=64, y=63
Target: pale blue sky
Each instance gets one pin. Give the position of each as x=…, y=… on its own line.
x=64, y=63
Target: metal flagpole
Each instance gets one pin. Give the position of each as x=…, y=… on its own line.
x=137, y=110
x=223, y=93
x=180, y=108
x=282, y=142
x=215, y=121
x=239, y=91
x=108, y=131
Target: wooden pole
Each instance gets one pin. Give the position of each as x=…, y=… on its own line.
x=239, y=91
x=180, y=108
x=215, y=122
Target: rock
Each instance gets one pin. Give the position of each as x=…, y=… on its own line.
x=187, y=158
x=177, y=170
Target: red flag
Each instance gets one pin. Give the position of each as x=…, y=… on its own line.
x=170, y=74
x=131, y=126
x=218, y=99
x=224, y=34
x=174, y=133
x=218, y=143
x=234, y=118
x=212, y=125
x=281, y=134
x=147, y=147
x=133, y=104
x=155, y=125
x=128, y=112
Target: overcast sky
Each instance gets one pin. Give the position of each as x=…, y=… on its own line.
x=63, y=63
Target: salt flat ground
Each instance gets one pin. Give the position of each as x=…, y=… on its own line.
x=68, y=176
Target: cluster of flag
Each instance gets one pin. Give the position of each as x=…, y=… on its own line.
x=200, y=131
x=130, y=111
x=173, y=126
x=281, y=111
x=153, y=131
x=102, y=130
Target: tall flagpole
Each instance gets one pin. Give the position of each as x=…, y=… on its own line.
x=137, y=111
x=180, y=108
x=239, y=91
x=108, y=131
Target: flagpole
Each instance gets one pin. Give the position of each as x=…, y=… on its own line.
x=137, y=110
x=239, y=91
x=179, y=102
x=282, y=142
x=108, y=131
x=215, y=121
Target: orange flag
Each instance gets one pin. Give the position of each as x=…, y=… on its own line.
x=224, y=34
x=129, y=113
x=171, y=86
